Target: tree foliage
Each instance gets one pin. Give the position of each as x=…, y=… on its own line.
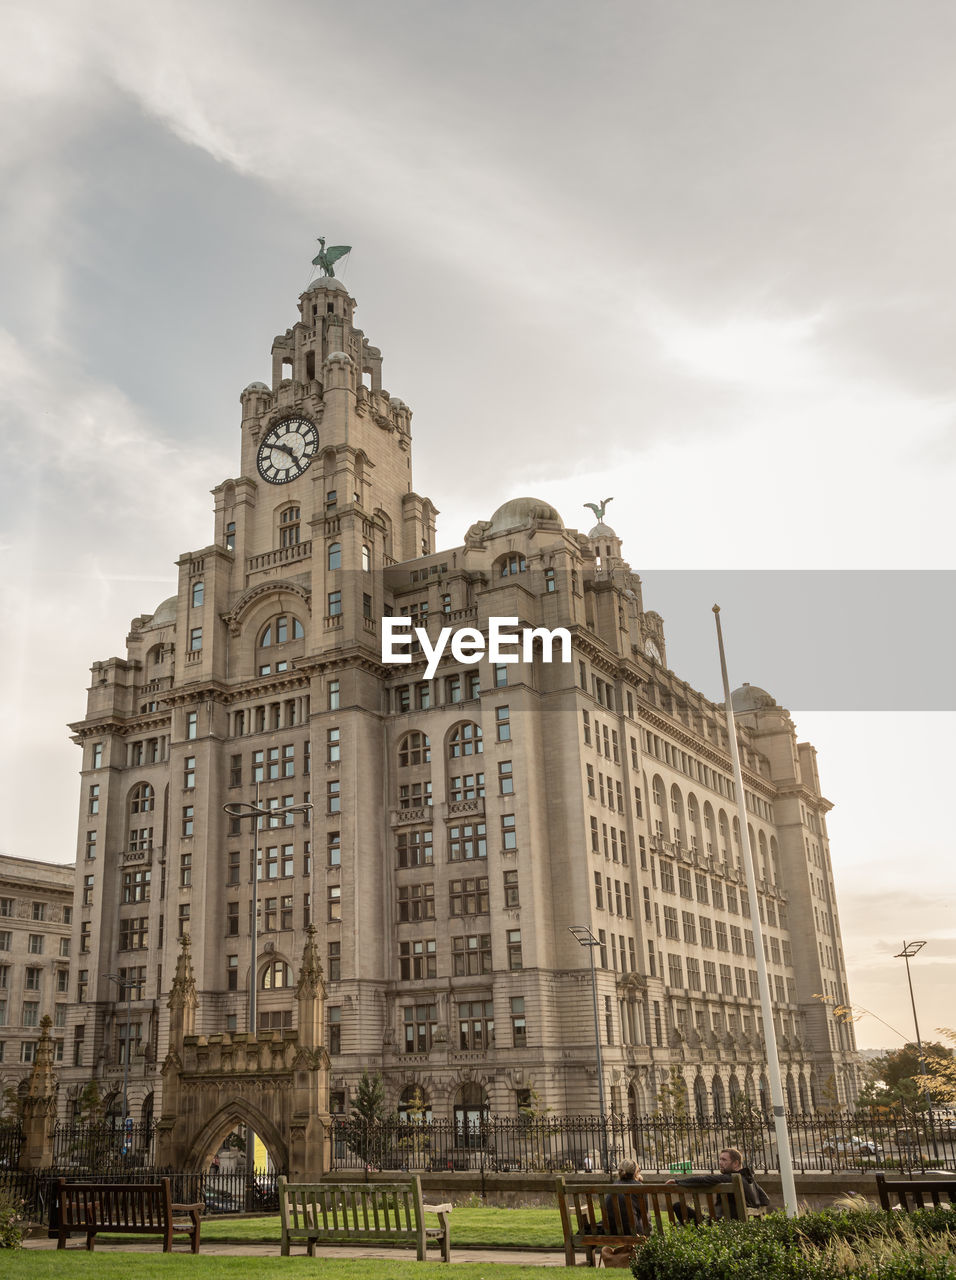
x=895, y=1077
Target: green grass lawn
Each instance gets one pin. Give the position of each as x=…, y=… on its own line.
x=104, y=1264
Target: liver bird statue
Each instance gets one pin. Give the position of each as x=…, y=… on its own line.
x=599, y=509
x=326, y=257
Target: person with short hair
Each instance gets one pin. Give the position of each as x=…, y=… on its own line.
x=730, y=1161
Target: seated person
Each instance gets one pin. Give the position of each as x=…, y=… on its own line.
x=622, y=1213
x=730, y=1161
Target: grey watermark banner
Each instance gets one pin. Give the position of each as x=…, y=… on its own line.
x=817, y=640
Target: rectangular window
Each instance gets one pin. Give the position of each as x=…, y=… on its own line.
x=675, y=971
x=467, y=897
x=195, y=639
x=188, y=817
x=726, y=981
x=31, y=979
x=333, y=695
x=509, y=835
x=503, y=723
x=192, y=725
x=511, y=888
x=232, y=919
x=418, y=959
x=466, y=842
x=689, y=921
x=736, y=941
x=334, y=965
x=93, y=805
x=333, y=797
x=506, y=783
x=710, y=977
x=416, y=902
x=335, y=903
x=335, y=604
x=335, y=1028
x=333, y=746
x=500, y=676
x=514, y=949
x=671, y=929
x=476, y=1024
x=185, y=870
x=183, y=919
x=721, y=932
x=414, y=847
x=471, y=955
x=419, y=1022
x=134, y=933
x=35, y=944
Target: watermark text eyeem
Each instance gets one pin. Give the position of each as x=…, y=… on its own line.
x=468, y=646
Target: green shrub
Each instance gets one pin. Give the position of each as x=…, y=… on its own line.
x=11, y=1221
x=867, y=1244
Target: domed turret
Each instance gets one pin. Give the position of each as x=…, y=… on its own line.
x=520, y=512
x=750, y=697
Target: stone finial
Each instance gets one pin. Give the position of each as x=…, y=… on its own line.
x=183, y=994
x=310, y=972
x=42, y=1084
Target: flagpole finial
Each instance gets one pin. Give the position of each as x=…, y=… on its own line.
x=716, y=608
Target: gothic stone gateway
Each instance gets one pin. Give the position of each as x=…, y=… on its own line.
x=277, y=1082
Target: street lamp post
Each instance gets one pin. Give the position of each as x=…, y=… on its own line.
x=125, y=983
x=246, y=809
x=911, y=949
x=586, y=938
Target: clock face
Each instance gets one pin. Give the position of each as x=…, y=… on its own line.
x=286, y=450
x=652, y=651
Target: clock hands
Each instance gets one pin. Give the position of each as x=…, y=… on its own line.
x=284, y=448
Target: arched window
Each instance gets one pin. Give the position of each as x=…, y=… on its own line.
x=366, y=560
x=414, y=748
x=717, y=1096
x=142, y=799
x=515, y=563
x=281, y=629
x=700, y=1099
x=335, y=555
x=276, y=975
x=465, y=740
x=471, y=1110
x=414, y=1106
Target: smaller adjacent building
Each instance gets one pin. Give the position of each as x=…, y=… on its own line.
x=36, y=918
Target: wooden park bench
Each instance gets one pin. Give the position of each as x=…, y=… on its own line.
x=142, y=1209
x=638, y=1210
x=337, y=1213
x=916, y=1193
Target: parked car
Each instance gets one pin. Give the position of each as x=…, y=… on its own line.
x=850, y=1147
x=218, y=1200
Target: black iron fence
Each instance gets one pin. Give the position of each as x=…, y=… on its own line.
x=862, y=1140
x=222, y=1192
x=106, y=1146
x=11, y=1140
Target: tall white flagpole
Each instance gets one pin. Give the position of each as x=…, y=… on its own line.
x=766, y=1001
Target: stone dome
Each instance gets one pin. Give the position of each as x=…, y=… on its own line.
x=331, y=283
x=522, y=511
x=165, y=613
x=602, y=530
x=255, y=386
x=750, y=697
x=339, y=357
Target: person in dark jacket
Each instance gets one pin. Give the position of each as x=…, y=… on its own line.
x=730, y=1161
x=622, y=1214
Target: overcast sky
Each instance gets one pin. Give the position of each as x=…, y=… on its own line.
x=698, y=256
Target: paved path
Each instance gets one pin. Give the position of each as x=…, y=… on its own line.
x=512, y=1257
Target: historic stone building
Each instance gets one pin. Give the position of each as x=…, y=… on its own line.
x=36, y=923
x=461, y=822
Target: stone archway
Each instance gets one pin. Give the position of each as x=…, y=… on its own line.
x=236, y=1111
x=275, y=1082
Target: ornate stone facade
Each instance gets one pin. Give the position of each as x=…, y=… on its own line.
x=461, y=824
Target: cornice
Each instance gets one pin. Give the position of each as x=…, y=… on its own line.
x=683, y=735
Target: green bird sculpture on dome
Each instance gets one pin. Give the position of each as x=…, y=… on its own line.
x=326, y=257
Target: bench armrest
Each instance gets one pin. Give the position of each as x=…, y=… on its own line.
x=197, y=1208
x=437, y=1208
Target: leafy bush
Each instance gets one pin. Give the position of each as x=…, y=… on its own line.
x=869, y=1244
x=11, y=1221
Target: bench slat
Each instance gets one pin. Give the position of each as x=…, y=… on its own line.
x=350, y=1213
